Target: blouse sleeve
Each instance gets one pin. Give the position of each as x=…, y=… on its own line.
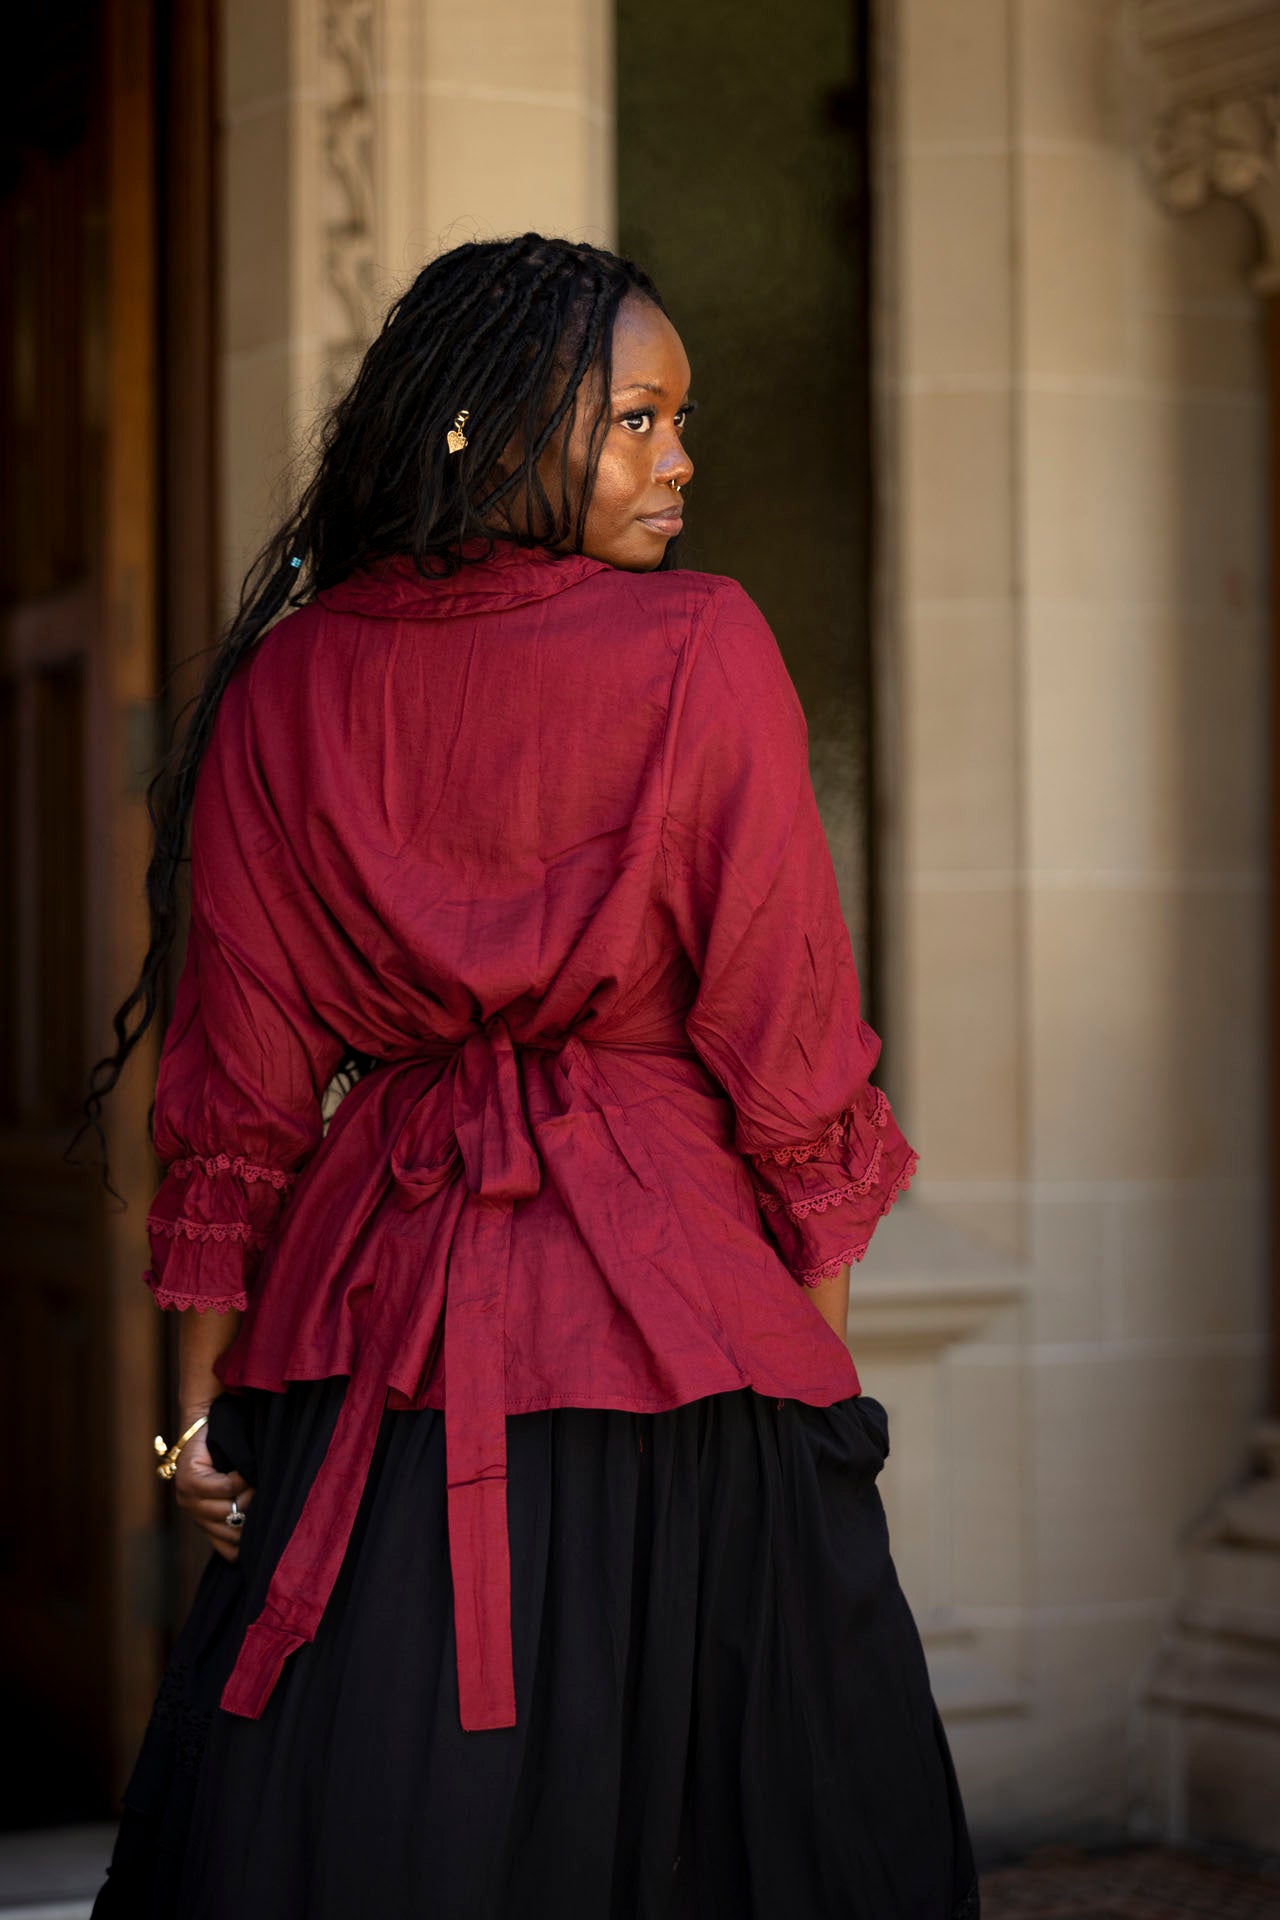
x=753, y=890
x=245, y=1061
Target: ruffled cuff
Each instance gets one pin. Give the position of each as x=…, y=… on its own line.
x=823, y=1199
x=207, y=1227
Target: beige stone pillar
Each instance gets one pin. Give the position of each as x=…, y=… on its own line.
x=1207, y=97
x=360, y=137
x=1072, y=631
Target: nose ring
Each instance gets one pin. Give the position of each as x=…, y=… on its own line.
x=676, y=485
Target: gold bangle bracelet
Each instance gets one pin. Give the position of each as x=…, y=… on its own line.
x=169, y=1465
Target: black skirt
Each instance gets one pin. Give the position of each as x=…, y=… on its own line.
x=723, y=1704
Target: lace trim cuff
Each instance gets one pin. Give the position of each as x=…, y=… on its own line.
x=827, y=1142
x=183, y=1229
x=243, y=1169
x=829, y=1268
x=208, y=1225
x=203, y=1303
x=833, y=1197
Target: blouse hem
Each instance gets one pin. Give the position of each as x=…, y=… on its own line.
x=813, y=1394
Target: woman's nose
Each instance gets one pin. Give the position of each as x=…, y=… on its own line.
x=676, y=465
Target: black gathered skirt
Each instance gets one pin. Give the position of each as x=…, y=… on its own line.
x=724, y=1711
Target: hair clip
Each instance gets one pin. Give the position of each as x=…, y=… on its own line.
x=296, y=560
x=457, y=438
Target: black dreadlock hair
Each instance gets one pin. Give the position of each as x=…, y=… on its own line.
x=511, y=329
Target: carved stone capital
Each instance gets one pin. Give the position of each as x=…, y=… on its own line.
x=1232, y=148
x=1209, y=73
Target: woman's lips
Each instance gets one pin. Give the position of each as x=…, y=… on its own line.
x=666, y=523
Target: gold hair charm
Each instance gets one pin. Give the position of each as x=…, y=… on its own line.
x=457, y=438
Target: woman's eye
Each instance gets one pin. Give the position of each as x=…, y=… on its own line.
x=644, y=417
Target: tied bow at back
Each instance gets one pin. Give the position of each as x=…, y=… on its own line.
x=474, y=1114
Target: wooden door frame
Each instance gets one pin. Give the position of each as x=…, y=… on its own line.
x=159, y=614
x=123, y=680
x=1271, y=301
x=188, y=572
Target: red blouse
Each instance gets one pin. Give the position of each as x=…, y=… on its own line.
x=542, y=838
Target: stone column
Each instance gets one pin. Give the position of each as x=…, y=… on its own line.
x=1072, y=637
x=1207, y=96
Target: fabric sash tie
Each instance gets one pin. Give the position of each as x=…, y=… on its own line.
x=471, y=1119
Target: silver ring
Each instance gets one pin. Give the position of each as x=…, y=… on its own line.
x=235, y=1518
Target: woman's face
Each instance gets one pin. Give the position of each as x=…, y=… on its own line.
x=635, y=510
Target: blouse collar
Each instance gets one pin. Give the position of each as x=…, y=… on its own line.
x=393, y=588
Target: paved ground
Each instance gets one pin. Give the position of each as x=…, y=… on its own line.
x=1133, y=1883
x=52, y=1874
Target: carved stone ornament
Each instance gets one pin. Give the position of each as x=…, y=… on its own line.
x=1231, y=148
x=1208, y=75
x=347, y=28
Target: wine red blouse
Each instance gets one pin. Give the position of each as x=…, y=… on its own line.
x=542, y=838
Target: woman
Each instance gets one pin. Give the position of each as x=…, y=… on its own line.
x=550, y=1573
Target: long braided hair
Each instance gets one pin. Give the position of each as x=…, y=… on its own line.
x=515, y=330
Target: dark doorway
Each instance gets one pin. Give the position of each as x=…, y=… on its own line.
x=742, y=186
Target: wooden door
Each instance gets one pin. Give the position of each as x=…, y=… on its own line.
x=1273, y=1146
x=89, y=478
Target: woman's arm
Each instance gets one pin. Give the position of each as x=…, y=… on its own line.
x=239, y=1091
x=201, y=1338
x=777, y=1016
x=246, y=1056
x=831, y=1298
x=200, y=1489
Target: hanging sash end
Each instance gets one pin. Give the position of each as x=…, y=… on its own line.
x=258, y=1666
x=482, y=1604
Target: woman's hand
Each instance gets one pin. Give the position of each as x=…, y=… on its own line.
x=202, y=1491
x=206, y=1494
